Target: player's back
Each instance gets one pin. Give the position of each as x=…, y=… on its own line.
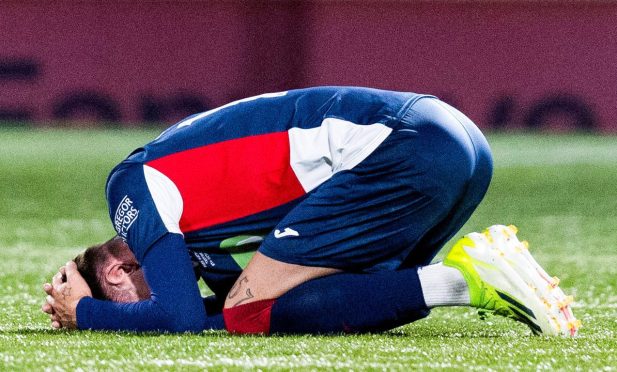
x=278, y=112
x=225, y=177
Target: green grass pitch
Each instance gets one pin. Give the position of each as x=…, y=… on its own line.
x=559, y=190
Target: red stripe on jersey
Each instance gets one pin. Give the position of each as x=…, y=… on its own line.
x=231, y=179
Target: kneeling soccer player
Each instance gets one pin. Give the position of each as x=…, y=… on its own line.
x=337, y=198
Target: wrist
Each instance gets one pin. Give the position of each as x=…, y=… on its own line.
x=83, y=313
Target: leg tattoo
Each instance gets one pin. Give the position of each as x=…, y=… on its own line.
x=239, y=293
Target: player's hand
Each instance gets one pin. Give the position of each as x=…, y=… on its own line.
x=63, y=296
x=47, y=308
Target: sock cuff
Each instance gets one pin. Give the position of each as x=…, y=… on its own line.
x=443, y=286
x=251, y=318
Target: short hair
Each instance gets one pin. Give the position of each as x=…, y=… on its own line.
x=91, y=265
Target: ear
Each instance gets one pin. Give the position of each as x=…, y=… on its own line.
x=115, y=273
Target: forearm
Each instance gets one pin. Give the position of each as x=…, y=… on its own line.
x=139, y=316
x=175, y=304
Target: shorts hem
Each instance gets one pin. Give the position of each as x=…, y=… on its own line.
x=295, y=261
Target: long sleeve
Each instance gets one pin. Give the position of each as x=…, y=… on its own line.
x=175, y=304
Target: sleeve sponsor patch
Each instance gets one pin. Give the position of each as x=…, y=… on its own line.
x=125, y=215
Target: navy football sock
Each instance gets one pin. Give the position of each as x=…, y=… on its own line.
x=351, y=303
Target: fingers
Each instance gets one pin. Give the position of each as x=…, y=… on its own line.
x=53, y=317
x=62, y=271
x=55, y=322
x=70, y=269
x=47, y=308
x=59, y=295
x=56, y=281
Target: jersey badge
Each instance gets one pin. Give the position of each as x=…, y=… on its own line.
x=125, y=215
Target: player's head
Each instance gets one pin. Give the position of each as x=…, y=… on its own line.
x=112, y=272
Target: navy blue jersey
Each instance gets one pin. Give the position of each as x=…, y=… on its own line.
x=225, y=178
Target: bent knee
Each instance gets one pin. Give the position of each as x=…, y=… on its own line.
x=266, y=278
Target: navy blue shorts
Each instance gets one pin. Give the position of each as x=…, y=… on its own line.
x=401, y=204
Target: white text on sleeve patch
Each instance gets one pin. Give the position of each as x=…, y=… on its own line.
x=125, y=215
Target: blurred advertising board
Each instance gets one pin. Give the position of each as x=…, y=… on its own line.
x=507, y=64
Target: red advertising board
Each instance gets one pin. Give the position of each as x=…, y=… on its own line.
x=507, y=64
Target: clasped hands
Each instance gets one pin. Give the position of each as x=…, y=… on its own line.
x=63, y=294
